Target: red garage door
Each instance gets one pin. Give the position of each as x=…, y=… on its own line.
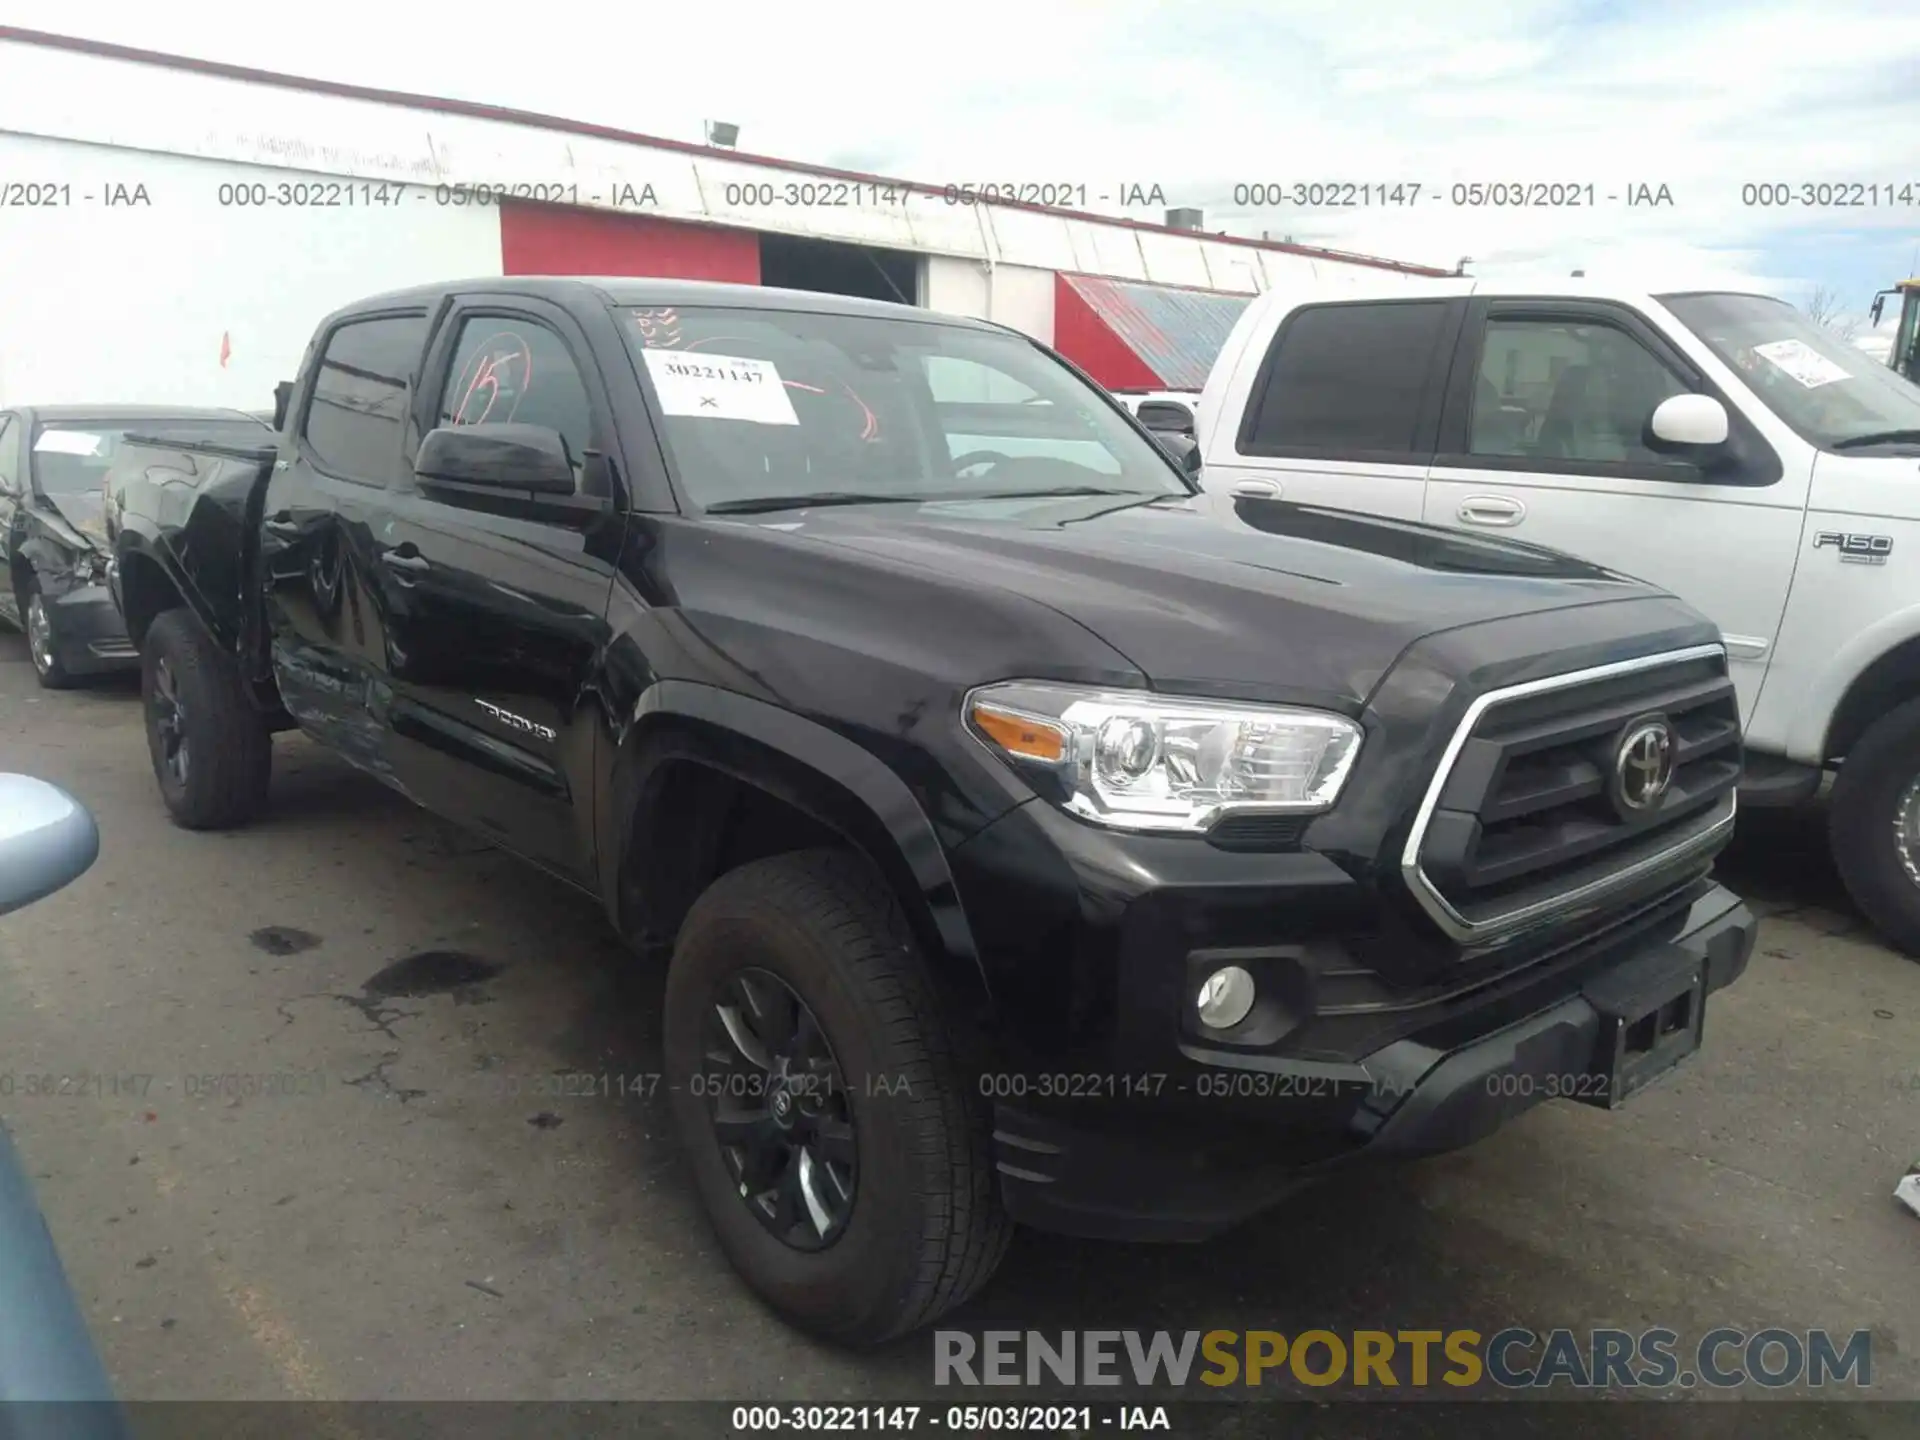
x=553, y=240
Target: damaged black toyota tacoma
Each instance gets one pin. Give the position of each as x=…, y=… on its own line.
x=1031, y=842
x=53, y=464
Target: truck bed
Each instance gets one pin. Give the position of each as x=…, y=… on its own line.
x=191, y=508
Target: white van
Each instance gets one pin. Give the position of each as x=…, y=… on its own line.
x=1718, y=444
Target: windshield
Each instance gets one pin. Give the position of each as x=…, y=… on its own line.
x=1826, y=390
x=72, y=457
x=761, y=406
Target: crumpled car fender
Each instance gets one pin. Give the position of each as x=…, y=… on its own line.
x=52, y=563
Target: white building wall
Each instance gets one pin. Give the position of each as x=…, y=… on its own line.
x=104, y=303
x=1023, y=298
x=66, y=94
x=108, y=303
x=1015, y=295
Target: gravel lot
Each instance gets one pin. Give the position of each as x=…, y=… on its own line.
x=417, y=1221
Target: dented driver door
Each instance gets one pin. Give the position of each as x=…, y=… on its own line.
x=498, y=620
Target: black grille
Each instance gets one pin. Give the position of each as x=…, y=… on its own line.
x=1531, y=808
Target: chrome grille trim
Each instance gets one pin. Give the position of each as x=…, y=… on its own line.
x=1509, y=922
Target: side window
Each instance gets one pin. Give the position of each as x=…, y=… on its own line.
x=1347, y=378
x=1567, y=390
x=983, y=411
x=9, y=442
x=359, y=407
x=516, y=370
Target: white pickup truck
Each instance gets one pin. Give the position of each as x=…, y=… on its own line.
x=1718, y=444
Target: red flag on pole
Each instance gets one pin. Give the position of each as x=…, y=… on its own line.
x=226, y=348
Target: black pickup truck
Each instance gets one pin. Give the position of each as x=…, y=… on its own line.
x=1030, y=843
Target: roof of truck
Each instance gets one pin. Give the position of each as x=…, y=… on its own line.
x=1563, y=287
x=631, y=290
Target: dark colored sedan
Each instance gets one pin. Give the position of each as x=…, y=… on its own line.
x=53, y=462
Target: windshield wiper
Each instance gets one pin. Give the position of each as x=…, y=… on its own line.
x=1877, y=437
x=760, y=503
x=1062, y=493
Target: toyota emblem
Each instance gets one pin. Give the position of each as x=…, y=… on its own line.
x=1643, y=766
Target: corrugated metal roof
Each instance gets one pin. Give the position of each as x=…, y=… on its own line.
x=1178, y=333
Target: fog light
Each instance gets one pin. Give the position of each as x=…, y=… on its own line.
x=1225, y=998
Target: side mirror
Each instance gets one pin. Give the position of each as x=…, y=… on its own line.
x=282, y=399
x=1164, y=417
x=1184, y=449
x=1688, y=422
x=1879, y=306
x=47, y=840
x=530, y=459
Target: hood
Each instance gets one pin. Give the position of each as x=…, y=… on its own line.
x=1260, y=599
x=1854, y=487
x=78, y=520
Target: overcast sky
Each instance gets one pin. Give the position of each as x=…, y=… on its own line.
x=1698, y=95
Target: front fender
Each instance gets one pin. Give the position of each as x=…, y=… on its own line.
x=51, y=561
x=836, y=781
x=148, y=580
x=1818, y=703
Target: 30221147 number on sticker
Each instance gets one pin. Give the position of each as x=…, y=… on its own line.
x=719, y=387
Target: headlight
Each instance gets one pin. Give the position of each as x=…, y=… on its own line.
x=1160, y=762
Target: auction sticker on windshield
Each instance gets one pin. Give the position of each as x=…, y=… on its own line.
x=719, y=387
x=1802, y=362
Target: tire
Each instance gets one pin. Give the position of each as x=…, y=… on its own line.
x=36, y=623
x=1864, y=825
x=925, y=1228
x=228, y=748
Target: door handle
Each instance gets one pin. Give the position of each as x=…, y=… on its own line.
x=1498, y=510
x=281, y=524
x=1256, y=489
x=405, y=557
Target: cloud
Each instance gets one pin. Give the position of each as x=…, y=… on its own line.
x=1707, y=98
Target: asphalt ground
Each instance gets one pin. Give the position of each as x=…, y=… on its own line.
x=412, y=1209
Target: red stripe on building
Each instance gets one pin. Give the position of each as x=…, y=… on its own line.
x=1084, y=338
x=551, y=240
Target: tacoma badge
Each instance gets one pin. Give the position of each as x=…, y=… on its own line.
x=518, y=722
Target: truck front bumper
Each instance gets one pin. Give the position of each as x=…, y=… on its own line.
x=1624, y=1017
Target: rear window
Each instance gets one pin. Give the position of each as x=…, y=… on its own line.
x=360, y=395
x=1346, y=380
x=72, y=456
x=761, y=404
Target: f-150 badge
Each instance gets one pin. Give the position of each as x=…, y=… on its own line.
x=1856, y=549
x=518, y=722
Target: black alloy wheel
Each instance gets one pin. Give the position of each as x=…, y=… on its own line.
x=169, y=712
x=780, y=1109
x=822, y=1088
x=211, y=748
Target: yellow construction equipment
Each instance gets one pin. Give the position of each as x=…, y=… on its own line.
x=1904, y=357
